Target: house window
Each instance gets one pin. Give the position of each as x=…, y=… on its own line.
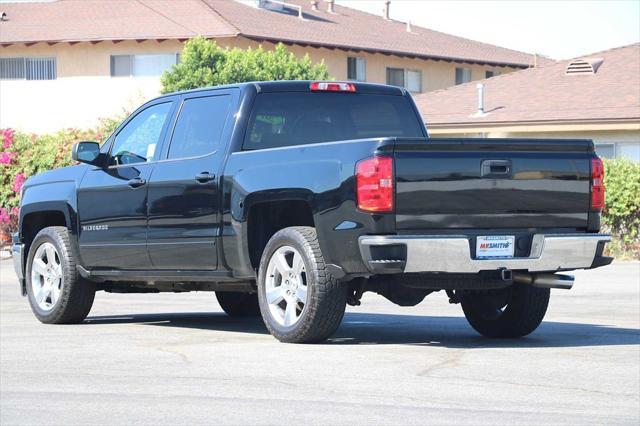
x=356, y=69
x=463, y=75
x=491, y=73
x=409, y=79
x=28, y=68
x=142, y=65
x=629, y=151
x=606, y=150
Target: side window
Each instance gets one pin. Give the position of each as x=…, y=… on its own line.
x=199, y=126
x=136, y=142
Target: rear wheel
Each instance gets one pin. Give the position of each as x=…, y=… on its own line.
x=514, y=311
x=299, y=299
x=57, y=293
x=239, y=304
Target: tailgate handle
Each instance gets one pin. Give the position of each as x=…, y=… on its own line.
x=496, y=168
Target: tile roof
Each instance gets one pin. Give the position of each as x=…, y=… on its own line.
x=94, y=20
x=544, y=94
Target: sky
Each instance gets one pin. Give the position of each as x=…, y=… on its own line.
x=559, y=29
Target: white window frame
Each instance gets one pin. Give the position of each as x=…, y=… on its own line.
x=131, y=58
x=358, y=60
x=463, y=69
x=44, y=66
x=405, y=77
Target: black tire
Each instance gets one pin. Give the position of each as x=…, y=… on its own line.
x=76, y=294
x=506, y=313
x=326, y=297
x=239, y=304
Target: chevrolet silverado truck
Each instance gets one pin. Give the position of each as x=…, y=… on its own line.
x=291, y=199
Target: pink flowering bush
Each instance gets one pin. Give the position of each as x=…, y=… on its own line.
x=23, y=155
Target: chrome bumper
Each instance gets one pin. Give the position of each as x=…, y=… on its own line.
x=452, y=254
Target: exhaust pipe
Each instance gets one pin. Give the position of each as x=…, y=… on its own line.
x=544, y=280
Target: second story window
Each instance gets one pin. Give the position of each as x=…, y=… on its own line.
x=409, y=79
x=141, y=65
x=463, y=75
x=28, y=68
x=491, y=73
x=356, y=69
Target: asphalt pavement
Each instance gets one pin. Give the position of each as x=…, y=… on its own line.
x=178, y=359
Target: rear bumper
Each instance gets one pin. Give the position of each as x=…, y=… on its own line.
x=17, y=251
x=452, y=254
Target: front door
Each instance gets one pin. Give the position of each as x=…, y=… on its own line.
x=112, y=201
x=184, y=193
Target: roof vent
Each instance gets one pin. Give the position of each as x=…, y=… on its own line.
x=584, y=66
x=3, y=16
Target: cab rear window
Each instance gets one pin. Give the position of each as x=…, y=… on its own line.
x=299, y=118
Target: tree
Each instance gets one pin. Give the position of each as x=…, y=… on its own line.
x=204, y=63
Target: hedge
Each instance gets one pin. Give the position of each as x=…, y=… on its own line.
x=23, y=155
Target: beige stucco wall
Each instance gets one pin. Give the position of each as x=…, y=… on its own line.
x=84, y=91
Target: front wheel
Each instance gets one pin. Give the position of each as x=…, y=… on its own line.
x=299, y=299
x=511, y=312
x=57, y=293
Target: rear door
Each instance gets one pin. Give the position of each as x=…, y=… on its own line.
x=492, y=184
x=184, y=189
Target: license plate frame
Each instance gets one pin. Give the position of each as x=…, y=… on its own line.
x=495, y=246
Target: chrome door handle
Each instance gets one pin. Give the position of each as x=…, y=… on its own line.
x=136, y=182
x=205, y=177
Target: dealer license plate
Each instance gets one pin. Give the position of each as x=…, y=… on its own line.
x=494, y=246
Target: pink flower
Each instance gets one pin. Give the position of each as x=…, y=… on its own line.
x=4, y=216
x=7, y=137
x=15, y=211
x=18, y=182
x=6, y=157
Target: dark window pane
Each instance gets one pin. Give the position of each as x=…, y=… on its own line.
x=351, y=69
x=121, y=65
x=199, y=126
x=286, y=119
x=489, y=74
x=12, y=68
x=395, y=77
x=137, y=141
x=463, y=75
x=40, y=68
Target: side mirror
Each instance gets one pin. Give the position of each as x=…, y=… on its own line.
x=86, y=152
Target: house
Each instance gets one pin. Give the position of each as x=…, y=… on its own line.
x=67, y=62
x=595, y=97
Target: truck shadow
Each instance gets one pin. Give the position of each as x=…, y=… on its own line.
x=384, y=329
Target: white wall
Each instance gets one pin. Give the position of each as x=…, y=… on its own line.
x=51, y=105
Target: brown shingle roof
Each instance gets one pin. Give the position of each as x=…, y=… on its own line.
x=544, y=94
x=90, y=20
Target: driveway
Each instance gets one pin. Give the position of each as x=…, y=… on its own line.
x=177, y=359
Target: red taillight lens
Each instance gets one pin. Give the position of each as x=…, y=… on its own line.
x=328, y=86
x=374, y=184
x=597, y=184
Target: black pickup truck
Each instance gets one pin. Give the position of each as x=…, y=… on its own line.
x=292, y=199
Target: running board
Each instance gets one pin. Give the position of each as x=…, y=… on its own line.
x=153, y=275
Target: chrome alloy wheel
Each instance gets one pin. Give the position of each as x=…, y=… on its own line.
x=46, y=276
x=286, y=286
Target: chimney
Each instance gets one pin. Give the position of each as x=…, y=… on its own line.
x=314, y=5
x=330, y=7
x=385, y=11
x=480, y=87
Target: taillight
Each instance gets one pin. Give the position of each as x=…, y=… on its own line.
x=597, y=184
x=330, y=86
x=374, y=184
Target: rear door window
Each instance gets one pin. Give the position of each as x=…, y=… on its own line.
x=199, y=126
x=298, y=118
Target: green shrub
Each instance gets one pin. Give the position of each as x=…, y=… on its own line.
x=621, y=214
x=204, y=63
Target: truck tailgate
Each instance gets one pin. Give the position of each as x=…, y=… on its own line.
x=492, y=183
